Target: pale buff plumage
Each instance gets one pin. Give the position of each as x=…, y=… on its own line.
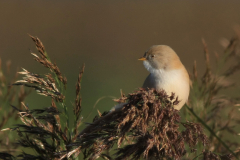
x=166, y=72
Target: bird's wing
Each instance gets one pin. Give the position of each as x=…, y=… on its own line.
x=149, y=82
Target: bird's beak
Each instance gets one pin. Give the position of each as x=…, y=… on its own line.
x=142, y=59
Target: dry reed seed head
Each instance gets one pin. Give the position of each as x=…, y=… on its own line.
x=45, y=62
x=8, y=65
x=206, y=53
x=77, y=107
x=231, y=46
x=195, y=71
x=194, y=134
x=41, y=131
x=232, y=50
x=53, y=67
x=148, y=125
x=43, y=85
x=10, y=96
x=232, y=70
x=122, y=99
x=39, y=46
x=49, y=77
x=53, y=105
x=207, y=75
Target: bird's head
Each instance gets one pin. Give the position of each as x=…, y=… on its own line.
x=160, y=57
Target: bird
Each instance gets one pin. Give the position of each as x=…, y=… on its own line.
x=166, y=73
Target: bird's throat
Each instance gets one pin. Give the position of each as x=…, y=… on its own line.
x=152, y=70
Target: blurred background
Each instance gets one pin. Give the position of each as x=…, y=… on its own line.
x=109, y=37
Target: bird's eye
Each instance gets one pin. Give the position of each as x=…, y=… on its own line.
x=152, y=56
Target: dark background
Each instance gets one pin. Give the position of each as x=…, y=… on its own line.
x=109, y=37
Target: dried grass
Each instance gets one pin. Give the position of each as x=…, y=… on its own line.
x=207, y=103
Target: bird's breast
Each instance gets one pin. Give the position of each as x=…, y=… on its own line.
x=176, y=81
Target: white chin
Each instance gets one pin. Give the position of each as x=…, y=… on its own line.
x=148, y=66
